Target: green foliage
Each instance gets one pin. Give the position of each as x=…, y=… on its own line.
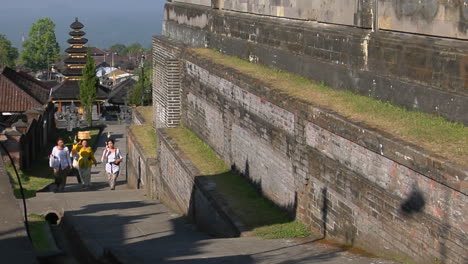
x=88, y=87
x=41, y=50
x=135, y=49
x=121, y=49
x=140, y=93
x=8, y=54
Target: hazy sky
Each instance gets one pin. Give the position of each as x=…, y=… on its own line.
x=106, y=21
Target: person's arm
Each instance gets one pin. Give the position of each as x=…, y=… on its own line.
x=104, y=153
x=93, y=158
x=53, y=153
x=70, y=164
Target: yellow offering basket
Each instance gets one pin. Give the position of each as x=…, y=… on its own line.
x=84, y=135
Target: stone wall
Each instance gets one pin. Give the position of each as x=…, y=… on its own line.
x=417, y=72
x=444, y=18
x=181, y=186
x=354, y=183
x=139, y=166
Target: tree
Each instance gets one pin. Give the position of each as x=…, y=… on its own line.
x=141, y=92
x=8, y=54
x=41, y=49
x=88, y=87
x=121, y=49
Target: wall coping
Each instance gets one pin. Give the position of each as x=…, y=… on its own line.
x=420, y=160
x=204, y=184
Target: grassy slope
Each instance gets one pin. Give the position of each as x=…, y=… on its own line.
x=258, y=214
x=146, y=136
x=430, y=132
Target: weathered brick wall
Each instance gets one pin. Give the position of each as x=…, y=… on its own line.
x=369, y=189
x=176, y=182
x=138, y=165
x=166, y=84
x=417, y=72
x=181, y=186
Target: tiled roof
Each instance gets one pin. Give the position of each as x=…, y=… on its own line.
x=20, y=91
x=119, y=93
x=70, y=90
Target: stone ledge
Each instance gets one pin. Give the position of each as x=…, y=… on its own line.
x=422, y=161
x=205, y=186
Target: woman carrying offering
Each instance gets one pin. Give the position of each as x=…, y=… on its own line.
x=112, y=158
x=60, y=161
x=85, y=161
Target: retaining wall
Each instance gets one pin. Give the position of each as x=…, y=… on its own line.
x=418, y=72
x=354, y=183
x=444, y=18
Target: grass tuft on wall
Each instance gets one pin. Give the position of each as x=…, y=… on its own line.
x=435, y=134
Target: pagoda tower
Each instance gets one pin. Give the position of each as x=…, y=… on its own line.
x=76, y=52
x=67, y=93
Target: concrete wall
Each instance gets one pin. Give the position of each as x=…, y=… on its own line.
x=139, y=166
x=416, y=72
x=182, y=187
x=195, y=2
x=445, y=18
x=346, y=12
x=310, y=162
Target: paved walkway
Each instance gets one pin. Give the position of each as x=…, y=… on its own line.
x=126, y=225
x=15, y=246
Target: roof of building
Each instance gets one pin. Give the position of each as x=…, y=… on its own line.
x=76, y=24
x=119, y=93
x=77, y=41
x=20, y=92
x=70, y=90
x=97, y=51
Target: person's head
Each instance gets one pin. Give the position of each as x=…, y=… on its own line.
x=110, y=143
x=84, y=142
x=60, y=142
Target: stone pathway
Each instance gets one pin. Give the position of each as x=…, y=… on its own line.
x=127, y=226
x=15, y=246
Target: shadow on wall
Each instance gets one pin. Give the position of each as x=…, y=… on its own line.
x=414, y=203
x=291, y=209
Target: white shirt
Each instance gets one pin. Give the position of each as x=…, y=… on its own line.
x=62, y=156
x=110, y=157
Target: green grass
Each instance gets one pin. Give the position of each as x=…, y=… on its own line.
x=39, y=235
x=435, y=134
x=147, y=113
x=146, y=136
x=32, y=179
x=258, y=214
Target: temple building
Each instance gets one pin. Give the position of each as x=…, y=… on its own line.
x=66, y=94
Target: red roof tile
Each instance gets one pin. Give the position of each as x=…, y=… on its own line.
x=20, y=92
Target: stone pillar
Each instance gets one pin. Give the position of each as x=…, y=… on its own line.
x=166, y=83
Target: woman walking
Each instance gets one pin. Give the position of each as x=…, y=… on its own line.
x=112, y=158
x=60, y=161
x=85, y=161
